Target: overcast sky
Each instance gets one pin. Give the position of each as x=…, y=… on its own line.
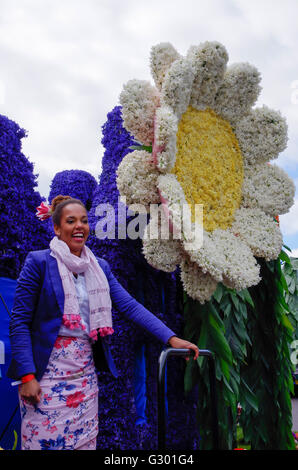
x=64, y=62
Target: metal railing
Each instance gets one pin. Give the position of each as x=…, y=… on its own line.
x=162, y=395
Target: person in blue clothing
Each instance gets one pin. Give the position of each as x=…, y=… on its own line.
x=59, y=330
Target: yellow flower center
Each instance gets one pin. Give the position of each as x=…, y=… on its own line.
x=209, y=166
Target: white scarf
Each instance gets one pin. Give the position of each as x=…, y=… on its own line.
x=96, y=283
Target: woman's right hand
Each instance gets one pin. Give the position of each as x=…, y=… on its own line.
x=30, y=391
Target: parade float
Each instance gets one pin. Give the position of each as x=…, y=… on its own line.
x=195, y=139
x=202, y=142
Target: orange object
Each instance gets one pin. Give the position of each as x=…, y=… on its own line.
x=27, y=378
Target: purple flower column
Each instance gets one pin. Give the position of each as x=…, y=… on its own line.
x=75, y=183
x=157, y=292
x=20, y=230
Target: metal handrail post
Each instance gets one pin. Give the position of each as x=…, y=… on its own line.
x=161, y=393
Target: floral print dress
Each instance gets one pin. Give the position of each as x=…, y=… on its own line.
x=66, y=417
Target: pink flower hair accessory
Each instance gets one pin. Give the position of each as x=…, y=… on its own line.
x=44, y=211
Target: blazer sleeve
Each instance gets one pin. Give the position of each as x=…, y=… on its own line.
x=25, y=301
x=135, y=311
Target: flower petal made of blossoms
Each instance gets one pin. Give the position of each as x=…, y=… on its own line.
x=210, y=256
x=161, y=58
x=161, y=253
x=164, y=148
x=209, y=60
x=262, y=135
x=137, y=178
x=198, y=285
x=177, y=85
x=259, y=231
x=240, y=266
x=173, y=199
x=269, y=188
x=139, y=100
x=238, y=92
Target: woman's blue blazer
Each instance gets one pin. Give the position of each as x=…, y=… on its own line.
x=37, y=316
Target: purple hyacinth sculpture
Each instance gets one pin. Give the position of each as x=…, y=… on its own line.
x=20, y=230
x=75, y=183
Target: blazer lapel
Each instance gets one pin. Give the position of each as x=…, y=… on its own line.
x=56, y=281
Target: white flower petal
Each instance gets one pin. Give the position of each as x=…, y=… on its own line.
x=164, y=149
x=209, y=60
x=262, y=135
x=173, y=198
x=161, y=58
x=239, y=267
x=177, y=85
x=137, y=178
x=198, y=285
x=239, y=91
x=209, y=257
x=268, y=187
x=139, y=101
x=164, y=254
x=259, y=231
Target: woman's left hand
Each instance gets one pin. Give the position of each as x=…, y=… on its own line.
x=179, y=343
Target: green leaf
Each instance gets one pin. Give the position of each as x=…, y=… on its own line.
x=148, y=148
x=294, y=263
x=292, y=286
x=15, y=440
x=249, y=396
x=286, y=322
x=286, y=247
x=284, y=257
x=222, y=348
x=218, y=293
x=227, y=310
x=225, y=369
x=235, y=301
x=215, y=315
x=283, y=282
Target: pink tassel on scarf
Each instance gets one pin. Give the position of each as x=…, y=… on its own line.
x=106, y=330
x=73, y=322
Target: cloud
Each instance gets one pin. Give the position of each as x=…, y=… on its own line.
x=289, y=221
x=63, y=64
x=294, y=253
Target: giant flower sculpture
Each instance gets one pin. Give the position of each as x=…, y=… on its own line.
x=204, y=143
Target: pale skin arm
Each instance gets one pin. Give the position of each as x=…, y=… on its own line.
x=179, y=343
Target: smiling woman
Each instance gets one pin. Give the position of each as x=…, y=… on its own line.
x=61, y=318
x=70, y=223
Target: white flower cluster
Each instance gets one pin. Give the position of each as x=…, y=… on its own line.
x=268, y=187
x=161, y=58
x=199, y=285
x=172, y=194
x=164, y=254
x=166, y=124
x=210, y=257
x=139, y=101
x=209, y=60
x=239, y=91
x=259, y=231
x=224, y=256
x=137, y=178
x=177, y=86
x=241, y=269
x=262, y=135
x=152, y=115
